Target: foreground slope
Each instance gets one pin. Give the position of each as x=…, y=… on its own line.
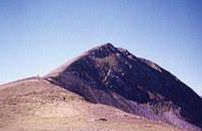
x=36, y=104
x=113, y=76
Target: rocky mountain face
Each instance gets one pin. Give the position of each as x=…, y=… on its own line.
x=115, y=77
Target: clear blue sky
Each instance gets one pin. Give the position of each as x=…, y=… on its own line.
x=39, y=35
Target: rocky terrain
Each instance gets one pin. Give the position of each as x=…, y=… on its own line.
x=105, y=88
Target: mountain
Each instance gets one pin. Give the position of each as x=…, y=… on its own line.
x=105, y=88
x=114, y=77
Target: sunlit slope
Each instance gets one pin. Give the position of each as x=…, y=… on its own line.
x=35, y=104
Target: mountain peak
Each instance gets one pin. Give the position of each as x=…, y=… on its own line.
x=106, y=46
x=103, y=50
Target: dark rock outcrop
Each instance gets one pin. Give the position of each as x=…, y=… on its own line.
x=115, y=77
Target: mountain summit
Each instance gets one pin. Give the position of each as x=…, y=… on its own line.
x=105, y=88
x=113, y=76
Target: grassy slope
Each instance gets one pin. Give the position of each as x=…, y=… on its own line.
x=35, y=104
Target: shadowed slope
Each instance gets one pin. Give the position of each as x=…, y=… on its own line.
x=115, y=77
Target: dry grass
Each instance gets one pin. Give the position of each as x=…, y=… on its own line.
x=35, y=104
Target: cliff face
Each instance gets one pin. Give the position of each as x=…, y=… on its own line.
x=115, y=77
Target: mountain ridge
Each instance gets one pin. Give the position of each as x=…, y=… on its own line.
x=102, y=81
x=116, y=72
